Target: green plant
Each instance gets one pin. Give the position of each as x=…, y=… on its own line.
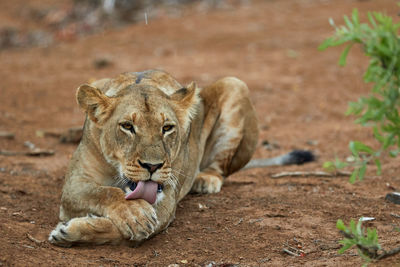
x=366, y=243
x=379, y=109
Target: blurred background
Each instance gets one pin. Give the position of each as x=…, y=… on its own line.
x=42, y=23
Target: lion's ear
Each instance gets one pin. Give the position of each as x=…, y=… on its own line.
x=97, y=105
x=186, y=102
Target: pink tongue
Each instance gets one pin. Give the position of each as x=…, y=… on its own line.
x=144, y=190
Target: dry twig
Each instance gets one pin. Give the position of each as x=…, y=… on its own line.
x=290, y=252
x=7, y=135
x=312, y=173
x=34, y=153
x=33, y=239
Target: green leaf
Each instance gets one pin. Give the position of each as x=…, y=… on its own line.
x=362, y=170
x=340, y=164
x=354, y=17
x=343, y=56
x=353, y=148
x=345, y=247
x=340, y=225
x=349, y=24
x=353, y=227
x=353, y=176
x=329, y=166
x=326, y=43
x=371, y=19
x=356, y=146
x=394, y=153
x=377, y=135
x=379, y=167
x=389, y=140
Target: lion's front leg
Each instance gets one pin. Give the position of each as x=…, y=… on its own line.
x=89, y=229
x=117, y=221
x=130, y=220
x=133, y=221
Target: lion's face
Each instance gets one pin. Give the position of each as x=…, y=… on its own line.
x=142, y=137
x=140, y=130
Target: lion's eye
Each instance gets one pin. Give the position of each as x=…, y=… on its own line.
x=128, y=126
x=167, y=128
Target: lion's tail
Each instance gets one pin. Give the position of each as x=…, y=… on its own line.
x=295, y=157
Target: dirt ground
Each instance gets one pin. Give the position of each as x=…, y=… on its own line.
x=300, y=95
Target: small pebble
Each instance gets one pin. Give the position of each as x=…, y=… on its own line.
x=393, y=197
x=367, y=219
x=202, y=206
x=270, y=145
x=251, y=221
x=102, y=62
x=29, y=145
x=391, y=187
x=312, y=142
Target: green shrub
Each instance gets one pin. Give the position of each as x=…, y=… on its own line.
x=366, y=243
x=379, y=109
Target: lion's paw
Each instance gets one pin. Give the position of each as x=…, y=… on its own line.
x=135, y=219
x=89, y=229
x=78, y=230
x=62, y=235
x=207, y=183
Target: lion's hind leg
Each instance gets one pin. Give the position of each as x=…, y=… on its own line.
x=229, y=133
x=89, y=229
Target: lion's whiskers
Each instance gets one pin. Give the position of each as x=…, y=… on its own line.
x=179, y=173
x=120, y=181
x=173, y=181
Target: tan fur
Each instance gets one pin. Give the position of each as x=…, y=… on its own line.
x=215, y=134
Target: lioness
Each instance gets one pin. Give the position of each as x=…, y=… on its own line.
x=147, y=142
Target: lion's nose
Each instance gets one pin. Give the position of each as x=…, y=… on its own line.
x=150, y=167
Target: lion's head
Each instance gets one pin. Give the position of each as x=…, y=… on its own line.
x=140, y=128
